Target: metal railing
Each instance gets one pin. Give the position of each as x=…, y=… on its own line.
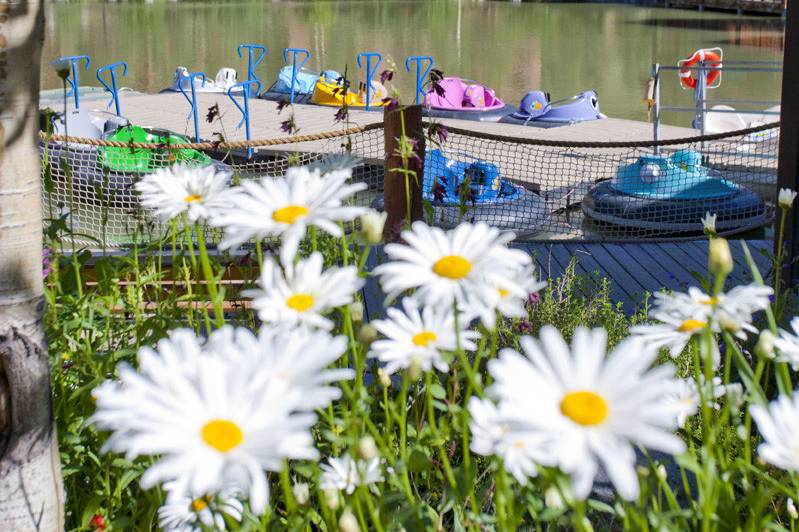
x=701, y=100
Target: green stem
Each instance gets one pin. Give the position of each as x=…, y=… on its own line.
x=210, y=279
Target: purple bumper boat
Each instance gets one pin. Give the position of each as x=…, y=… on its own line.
x=537, y=110
x=466, y=100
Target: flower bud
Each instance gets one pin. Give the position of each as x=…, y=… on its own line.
x=384, y=377
x=709, y=224
x=661, y=472
x=372, y=224
x=348, y=523
x=331, y=498
x=356, y=311
x=301, y=493
x=61, y=67
x=367, y=333
x=765, y=345
x=729, y=324
x=552, y=498
x=719, y=257
x=414, y=370
x=786, y=197
x=791, y=509
x=367, y=449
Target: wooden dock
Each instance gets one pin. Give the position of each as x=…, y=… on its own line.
x=773, y=7
x=633, y=269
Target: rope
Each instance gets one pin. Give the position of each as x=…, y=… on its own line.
x=204, y=146
x=628, y=144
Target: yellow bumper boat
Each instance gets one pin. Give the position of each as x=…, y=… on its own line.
x=326, y=93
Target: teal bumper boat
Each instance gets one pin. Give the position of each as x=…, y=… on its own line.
x=671, y=194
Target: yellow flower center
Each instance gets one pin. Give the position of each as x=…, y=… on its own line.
x=424, y=338
x=503, y=293
x=300, y=302
x=222, y=434
x=713, y=301
x=691, y=325
x=452, y=267
x=200, y=504
x=193, y=198
x=584, y=408
x=290, y=214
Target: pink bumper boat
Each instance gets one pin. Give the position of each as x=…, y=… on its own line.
x=464, y=99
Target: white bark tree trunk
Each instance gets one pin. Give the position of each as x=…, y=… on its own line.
x=30, y=475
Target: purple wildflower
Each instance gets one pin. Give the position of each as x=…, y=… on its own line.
x=525, y=327
x=439, y=189
x=534, y=298
x=390, y=103
x=386, y=75
x=213, y=112
x=341, y=114
x=282, y=104
x=47, y=262
x=287, y=126
x=437, y=130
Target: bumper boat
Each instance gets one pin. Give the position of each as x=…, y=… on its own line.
x=330, y=92
x=225, y=78
x=464, y=99
x=537, y=110
x=114, y=169
x=486, y=196
x=671, y=194
x=304, y=83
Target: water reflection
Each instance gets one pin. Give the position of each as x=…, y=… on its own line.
x=760, y=32
x=561, y=48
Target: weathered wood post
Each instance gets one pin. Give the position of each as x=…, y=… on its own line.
x=409, y=120
x=788, y=173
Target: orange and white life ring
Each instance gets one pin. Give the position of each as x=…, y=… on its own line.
x=711, y=58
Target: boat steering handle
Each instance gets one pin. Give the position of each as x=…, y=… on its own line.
x=370, y=72
x=245, y=110
x=193, y=100
x=113, y=89
x=73, y=79
x=252, y=65
x=420, y=77
x=294, y=66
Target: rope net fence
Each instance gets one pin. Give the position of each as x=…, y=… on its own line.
x=541, y=189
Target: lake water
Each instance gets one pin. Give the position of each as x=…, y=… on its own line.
x=560, y=48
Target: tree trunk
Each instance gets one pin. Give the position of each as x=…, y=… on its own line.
x=30, y=475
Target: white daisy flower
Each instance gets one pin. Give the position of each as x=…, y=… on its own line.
x=183, y=189
x=347, y=474
x=299, y=361
x=787, y=345
x=786, y=198
x=513, y=295
x=186, y=514
x=204, y=419
x=709, y=223
x=673, y=333
x=778, y=424
x=303, y=293
x=419, y=337
x=466, y=264
x=286, y=207
x=685, y=397
x=736, y=306
x=580, y=408
x=519, y=449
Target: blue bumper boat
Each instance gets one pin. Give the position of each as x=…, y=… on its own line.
x=303, y=80
x=473, y=191
x=537, y=110
x=671, y=194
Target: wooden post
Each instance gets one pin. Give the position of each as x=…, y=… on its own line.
x=394, y=181
x=788, y=173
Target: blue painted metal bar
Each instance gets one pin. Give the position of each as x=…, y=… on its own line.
x=294, y=67
x=73, y=81
x=245, y=110
x=420, y=77
x=113, y=89
x=252, y=65
x=370, y=72
x=193, y=101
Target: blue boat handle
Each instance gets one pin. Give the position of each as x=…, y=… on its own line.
x=294, y=67
x=113, y=89
x=252, y=65
x=420, y=77
x=370, y=72
x=193, y=100
x=73, y=80
x=245, y=110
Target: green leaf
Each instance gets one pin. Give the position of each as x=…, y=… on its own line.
x=438, y=391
